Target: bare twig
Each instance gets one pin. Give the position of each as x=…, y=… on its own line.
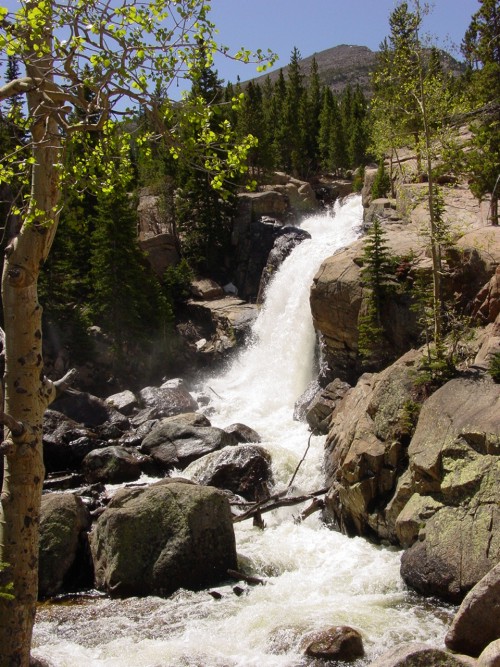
x=301, y=461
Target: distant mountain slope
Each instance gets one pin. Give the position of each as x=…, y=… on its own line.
x=347, y=64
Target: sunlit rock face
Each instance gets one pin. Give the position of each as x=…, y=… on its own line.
x=436, y=494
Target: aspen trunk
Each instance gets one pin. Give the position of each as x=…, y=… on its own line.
x=27, y=392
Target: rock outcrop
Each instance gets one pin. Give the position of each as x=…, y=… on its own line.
x=436, y=493
x=452, y=518
x=338, y=298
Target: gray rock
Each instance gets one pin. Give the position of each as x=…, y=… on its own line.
x=365, y=450
x=175, y=444
x=242, y=433
x=66, y=442
x=164, y=402
x=89, y=410
x=337, y=643
x=454, y=460
x=490, y=657
x=124, y=401
x=243, y=469
x=112, y=465
x=320, y=409
x=477, y=622
x=417, y=655
x=170, y=535
x=63, y=519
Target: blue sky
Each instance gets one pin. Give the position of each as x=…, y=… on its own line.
x=315, y=25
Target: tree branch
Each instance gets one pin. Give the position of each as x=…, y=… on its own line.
x=16, y=428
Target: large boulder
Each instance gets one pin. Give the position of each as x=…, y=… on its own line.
x=170, y=535
x=455, y=473
x=63, y=521
x=242, y=469
x=175, y=444
x=166, y=402
x=477, y=622
x=89, y=410
x=219, y=325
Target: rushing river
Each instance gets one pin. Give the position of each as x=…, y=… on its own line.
x=315, y=577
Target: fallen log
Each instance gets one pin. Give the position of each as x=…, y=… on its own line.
x=276, y=501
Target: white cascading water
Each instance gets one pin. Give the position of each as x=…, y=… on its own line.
x=315, y=577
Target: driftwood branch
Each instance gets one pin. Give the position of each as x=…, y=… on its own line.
x=316, y=505
x=278, y=500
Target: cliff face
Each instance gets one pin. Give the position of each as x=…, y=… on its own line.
x=338, y=300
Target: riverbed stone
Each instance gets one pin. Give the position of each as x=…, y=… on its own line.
x=339, y=642
x=163, y=402
x=170, y=535
x=242, y=433
x=490, y=657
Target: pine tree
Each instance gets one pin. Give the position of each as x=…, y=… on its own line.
x=481, y=48
x=382, y=183
x=377, y=267
x=124, y=296
x=203, y=215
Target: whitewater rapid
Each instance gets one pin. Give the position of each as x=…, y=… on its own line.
x=315, y=577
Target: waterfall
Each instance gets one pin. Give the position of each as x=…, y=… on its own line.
x=315, y=577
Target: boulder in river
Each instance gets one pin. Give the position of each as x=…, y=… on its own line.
x=63, y=521
x=155, y=540
x=243, y=469
x=340, y=643
x=419, y=655
x=477, y=622
x=176, y=444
